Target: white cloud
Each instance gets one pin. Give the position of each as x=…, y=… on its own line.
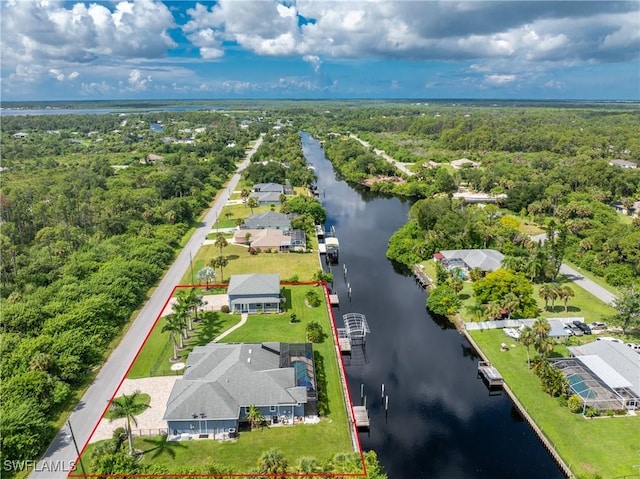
x=314, y=60
x=499, y=79
x=138, y=81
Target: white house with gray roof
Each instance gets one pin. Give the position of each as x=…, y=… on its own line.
x=222, y=381
x=254, y=293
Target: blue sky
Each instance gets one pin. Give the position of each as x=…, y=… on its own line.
x=150, y=49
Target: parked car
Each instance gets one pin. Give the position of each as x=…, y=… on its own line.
x=609, y=338
x=585, y=329
x=634, y=346
x=597, y=326
x=573, y=329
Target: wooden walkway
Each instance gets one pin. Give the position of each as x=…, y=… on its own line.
x=345, y=345
x=334, y=300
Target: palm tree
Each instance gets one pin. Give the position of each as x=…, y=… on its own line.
x=527, y=339
x=244, y=194
x=207, y=275
x=272, y=462
x=252, y=203
x=247, y=238
x=546, y=292
x=283, y=199
x=536, y=265
x=565, y=292
x=173, y=324
x=477, y=311
x=510, y=303
x=541, y=341
x=220, y=242
x=128, y=407
x=182, y=307
x=255, y=416
x=219, y=262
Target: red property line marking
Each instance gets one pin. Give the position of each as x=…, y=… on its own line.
x=74, y=474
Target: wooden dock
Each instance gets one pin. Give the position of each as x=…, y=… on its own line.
x=421, y=277
x=345, y=345
x=334, y=300
x=490, y=374
x=361, y=417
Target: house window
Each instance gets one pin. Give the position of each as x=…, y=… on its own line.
x=272, y=409
x=246, y=410
x=267, y=305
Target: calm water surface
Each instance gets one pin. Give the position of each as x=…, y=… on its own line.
x=441, y=422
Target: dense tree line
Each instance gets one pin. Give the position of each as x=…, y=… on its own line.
x=81, y=244
x=279, y=159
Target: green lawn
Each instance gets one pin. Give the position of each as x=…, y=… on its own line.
x=583, y=304
x=605, y=446
x=321, y=440
x=288, y=265
x=154, y=358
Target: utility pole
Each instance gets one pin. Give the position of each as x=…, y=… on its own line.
x=73, y=437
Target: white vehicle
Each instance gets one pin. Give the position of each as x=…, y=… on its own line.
x=609, y=338
x=597, y=325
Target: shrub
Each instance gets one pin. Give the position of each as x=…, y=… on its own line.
x=313, y=299
x=293, y=318
x=562, y=400
x=293, y=279
x=315, y=334
x=609, y=412
x=574, y=403
x=224, y=308
x=591, y=412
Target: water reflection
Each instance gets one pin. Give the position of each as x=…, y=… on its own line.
x=441, y=422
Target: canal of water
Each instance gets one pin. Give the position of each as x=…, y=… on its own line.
x=441, y=421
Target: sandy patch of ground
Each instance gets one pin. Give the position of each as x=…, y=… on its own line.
x=214, y=303
x=150, y=422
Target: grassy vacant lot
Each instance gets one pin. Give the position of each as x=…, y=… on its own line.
x=288, y=265
x=583, y=304
x=321, y=440
x=608, y=447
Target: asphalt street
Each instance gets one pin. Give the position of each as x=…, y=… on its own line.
x=55, y=462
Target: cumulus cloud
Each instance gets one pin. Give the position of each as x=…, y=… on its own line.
x=76, y=33
x=525, y=31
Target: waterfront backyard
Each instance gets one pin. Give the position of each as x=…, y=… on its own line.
x=603, y=447
x=241, y=455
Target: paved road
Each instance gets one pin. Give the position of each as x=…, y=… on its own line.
x=586, y=284
x=381, y=153
x=54, y=463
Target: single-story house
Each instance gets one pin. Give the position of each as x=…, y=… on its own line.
x=292, y=240
x=604, y=374
x=478, y=197
x=254, y=293
x=634, y=210
x=20, y=134
x=222, y=381
x=267, y=220
x=467, y=259
x=266, y=197
x=268, y=188
x=623, y=164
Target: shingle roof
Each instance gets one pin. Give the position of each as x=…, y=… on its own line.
x=270, y=187
x=222, y=378
x=268, y=219
x=254, y=284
